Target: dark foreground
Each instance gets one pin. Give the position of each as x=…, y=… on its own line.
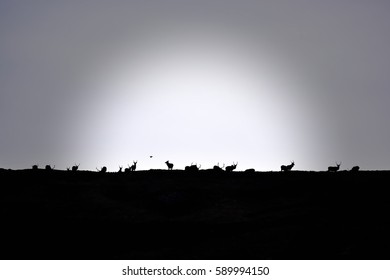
x=204, y=215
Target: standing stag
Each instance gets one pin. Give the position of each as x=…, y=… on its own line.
x=169, y=165
x=287, y=167
x=230, y=168
x=134, y=166
x=334, y=168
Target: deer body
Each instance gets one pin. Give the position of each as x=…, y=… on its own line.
x=192, y=167
x=334, y=168
x=134, y=166
x=75, y=167
x=218, y=168
x=169, y=165
x=355, y=169
x=287, y=167
x=230, y=168
x=102, y=170
x=250, y=170
x=48, y=167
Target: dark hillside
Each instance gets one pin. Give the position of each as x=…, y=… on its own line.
x=200, y=215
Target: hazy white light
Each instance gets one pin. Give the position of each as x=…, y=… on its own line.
x=202, y=98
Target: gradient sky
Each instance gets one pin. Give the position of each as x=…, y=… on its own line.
x=260, y=83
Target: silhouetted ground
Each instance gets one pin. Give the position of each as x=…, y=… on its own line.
x=203, y=215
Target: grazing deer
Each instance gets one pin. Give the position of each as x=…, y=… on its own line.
x=48, y=167
x=127, y=169
x=230, y=168
x=134, y=166
x=250, y=170
x=35, y=167
x=334, y=168
x=75, y=167
x=102, y=170
x=169, y=165
x=120, y=169
x=192, y=167
x=287, y=167
x=218, y=168
x=355, y=169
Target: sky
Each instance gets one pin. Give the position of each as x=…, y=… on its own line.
x=262, y=83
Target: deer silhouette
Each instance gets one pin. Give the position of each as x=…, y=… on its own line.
x=334, y=168
x=102, y=170
x=48, y=167
x=128, y=169
x=192, y=167
x=134, y=166
x=230, y=168
x=218, y=168
x=120, y=169
x=75, y=167
x=169, y=165
x=355, y=169
x=35, y=167
x=287, y=167
x=250, y=170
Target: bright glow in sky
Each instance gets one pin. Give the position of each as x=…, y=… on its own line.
x=203, y=97
x=258, y=83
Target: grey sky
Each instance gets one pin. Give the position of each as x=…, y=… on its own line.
x=258, y=82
